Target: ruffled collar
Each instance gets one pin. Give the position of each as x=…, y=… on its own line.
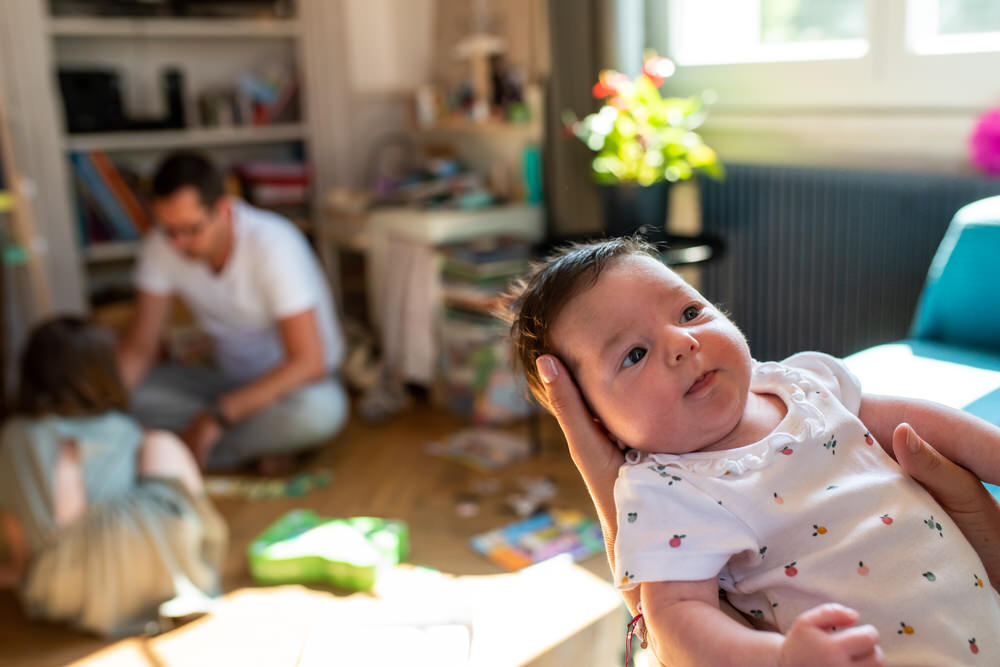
x=802, y=421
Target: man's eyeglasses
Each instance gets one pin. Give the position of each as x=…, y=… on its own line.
x=187, y=231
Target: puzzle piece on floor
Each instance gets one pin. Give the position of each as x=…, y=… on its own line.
x=302, y=547
x=256, y=488
x=540, y=537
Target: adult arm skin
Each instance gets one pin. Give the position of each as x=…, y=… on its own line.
x=137, y=351
x=303, y=363
x=967, y=440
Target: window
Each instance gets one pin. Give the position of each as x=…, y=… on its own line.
x=953, y=26
x=767, y=30
x=930, y=54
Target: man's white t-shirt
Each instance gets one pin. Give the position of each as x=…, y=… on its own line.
x=272, y=274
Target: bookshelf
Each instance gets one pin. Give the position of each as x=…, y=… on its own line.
x=36, y=39
x=111, y=251
x=85, y=26
x=186, y=138
x=216, y=57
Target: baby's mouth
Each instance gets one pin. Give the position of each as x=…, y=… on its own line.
x=703, y=381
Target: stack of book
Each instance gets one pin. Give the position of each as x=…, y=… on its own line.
x=478, y=377
x=477, y=272
x=273, y=184
x=109, y=205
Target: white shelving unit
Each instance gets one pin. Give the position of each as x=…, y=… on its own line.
x=188, y=138
x=111, y=251
x=63, y=26
x=211, y=53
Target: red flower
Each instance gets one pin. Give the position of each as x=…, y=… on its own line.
x=601, y=91
x=657, y=69
x=609, y=83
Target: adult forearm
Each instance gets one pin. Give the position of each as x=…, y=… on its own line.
x=963, y=438
x=133, y=364
x=268, y=388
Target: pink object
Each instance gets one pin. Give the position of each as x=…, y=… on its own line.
x=984, y=144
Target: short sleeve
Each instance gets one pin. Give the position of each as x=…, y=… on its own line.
x=286, y=273
x=152, y=273
x=832, y=373
x=670, y=530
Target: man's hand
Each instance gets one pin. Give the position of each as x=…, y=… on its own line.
x=201, y=436
x=824, y=636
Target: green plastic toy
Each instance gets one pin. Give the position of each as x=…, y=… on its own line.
x=302, y=547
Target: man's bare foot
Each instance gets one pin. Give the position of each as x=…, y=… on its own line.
x=277, y=465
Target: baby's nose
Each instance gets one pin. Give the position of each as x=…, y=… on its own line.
x=682, y=346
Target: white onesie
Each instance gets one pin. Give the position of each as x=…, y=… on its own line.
x=815, y=512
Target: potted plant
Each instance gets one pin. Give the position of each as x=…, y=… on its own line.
x=642, y=142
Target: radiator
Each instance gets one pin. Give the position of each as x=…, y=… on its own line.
x=822, y=259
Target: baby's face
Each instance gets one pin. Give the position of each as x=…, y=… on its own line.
x=662, y=369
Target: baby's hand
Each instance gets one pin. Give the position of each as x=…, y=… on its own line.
x=823, y=636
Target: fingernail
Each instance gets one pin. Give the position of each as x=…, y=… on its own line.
x=546, y=368
x=912, y=441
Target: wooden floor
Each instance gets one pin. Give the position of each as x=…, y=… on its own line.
x=378, y=471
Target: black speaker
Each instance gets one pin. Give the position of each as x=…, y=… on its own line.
x=92, y=100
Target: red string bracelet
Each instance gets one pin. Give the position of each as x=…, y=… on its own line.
x=637, y=624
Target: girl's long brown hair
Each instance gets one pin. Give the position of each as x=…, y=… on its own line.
x=68, y=368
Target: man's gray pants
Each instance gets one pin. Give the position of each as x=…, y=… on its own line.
x=171, y=396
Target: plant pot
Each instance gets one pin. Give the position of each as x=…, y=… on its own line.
x=630, y=208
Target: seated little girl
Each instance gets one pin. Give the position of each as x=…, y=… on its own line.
x=762, y=479
x=105, y=522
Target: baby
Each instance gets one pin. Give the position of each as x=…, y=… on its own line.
x=761, y=479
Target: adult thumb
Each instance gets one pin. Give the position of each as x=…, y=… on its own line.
x=951, y=485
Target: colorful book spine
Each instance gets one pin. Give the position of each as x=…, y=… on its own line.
x=126, y=198
x=115, y=215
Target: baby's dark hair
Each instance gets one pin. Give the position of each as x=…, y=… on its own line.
x=533, y=303
x=68, y=368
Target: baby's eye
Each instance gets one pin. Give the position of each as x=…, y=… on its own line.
x=690, y=313
x=634, y=356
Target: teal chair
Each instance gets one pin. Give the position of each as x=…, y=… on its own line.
x=952, y=352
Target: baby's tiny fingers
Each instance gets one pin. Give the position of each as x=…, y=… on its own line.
x=859, y=642
x=874, y=659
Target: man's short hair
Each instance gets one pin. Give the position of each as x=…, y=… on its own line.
x=188, y=169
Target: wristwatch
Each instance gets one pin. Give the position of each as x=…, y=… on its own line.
x=215, y=410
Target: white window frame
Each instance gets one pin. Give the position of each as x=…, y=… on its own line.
x=890, y=106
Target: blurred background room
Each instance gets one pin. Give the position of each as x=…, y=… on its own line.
x=799, y=161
